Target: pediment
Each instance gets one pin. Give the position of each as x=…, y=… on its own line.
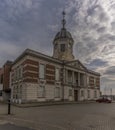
x=77, y=64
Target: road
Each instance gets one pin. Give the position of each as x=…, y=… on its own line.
x=90, y=116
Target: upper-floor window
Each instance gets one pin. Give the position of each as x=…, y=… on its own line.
x=41, y=71
x=70, y=77
x=62, y=47
x=20, y=71
x=57, y=74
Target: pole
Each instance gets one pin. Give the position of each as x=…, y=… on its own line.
x=9, y=107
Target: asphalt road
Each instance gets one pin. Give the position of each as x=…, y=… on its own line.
x=12, y=127
x=90, y=116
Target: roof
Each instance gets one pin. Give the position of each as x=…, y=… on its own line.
x=36, y=54
x=46, y=57
x=63, y=34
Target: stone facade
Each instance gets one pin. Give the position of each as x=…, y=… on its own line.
x=62, y=80
x=37, y=77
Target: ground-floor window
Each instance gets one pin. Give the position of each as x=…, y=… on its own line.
x=70, y=92
x=95, y=94
x=41, y=91
x=88, y=93
x=82, y=93
x=0, y=92
x=20, y=91
x=57, y=92
x=15, y=92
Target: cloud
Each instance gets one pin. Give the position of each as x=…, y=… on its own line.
x=94, y=35
x=34, y=23
x=110, y=71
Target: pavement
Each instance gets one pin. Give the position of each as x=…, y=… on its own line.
x=76, y=116
x=50, y=103
x=12, y=127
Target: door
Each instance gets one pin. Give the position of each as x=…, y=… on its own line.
x=75, y=95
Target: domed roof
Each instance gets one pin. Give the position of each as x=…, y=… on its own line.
x=63, y=34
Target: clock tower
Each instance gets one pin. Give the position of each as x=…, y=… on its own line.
x=63, y=43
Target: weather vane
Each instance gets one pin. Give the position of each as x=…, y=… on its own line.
x=63, y=21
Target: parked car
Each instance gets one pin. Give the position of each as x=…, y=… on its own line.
x=104, y=99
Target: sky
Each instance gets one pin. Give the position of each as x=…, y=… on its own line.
x=34, y=23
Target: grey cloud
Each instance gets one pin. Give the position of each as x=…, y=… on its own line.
x=101, y=29
x=113, y=25
x=110, y=71
x=34, y=23
x=98, y=63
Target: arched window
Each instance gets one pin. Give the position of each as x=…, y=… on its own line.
x=62, y=47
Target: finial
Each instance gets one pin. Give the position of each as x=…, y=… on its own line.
x=63, y=21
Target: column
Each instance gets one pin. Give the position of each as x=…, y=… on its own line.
x=78, y=79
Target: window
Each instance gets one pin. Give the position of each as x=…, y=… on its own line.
x=57, y=92
x=20, y=92
x=55, y=46
x=70, y=92
x=95, y=94
x=0, y=92
x=41, y=71
x=41, y=91
x=88, y=93
x=20, y=72
x=82, y=93
x=87, y=80
x=70, y=78
x=62, y=47
x=57, y=74
x=1, y=78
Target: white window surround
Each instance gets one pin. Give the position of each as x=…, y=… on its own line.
x=82, y=93
x=88, y=93
x=95, y=94
x=41, y=71
x=57, y=74
x=57, y=92
x=70, y=92
x=41, y=91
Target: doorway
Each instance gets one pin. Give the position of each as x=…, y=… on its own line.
x=75, y=95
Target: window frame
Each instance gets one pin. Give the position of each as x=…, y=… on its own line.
x=43, y=75
x=57, y=92
x=62, y=47
x=57, y=78
x=42, y=92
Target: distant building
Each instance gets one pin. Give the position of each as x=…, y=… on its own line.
x=5, y=80
x=1, y=83
x=37, y=77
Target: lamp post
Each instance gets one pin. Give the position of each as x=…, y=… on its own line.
x=9, y=107
x=9, y=103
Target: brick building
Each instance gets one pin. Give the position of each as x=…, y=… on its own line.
x=38, y=77
x=1, y=82
x=6, y=79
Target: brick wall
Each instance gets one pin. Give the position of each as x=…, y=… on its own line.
x=50, y=74
x=6, y=75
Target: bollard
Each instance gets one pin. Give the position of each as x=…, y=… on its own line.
x=9, y=107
